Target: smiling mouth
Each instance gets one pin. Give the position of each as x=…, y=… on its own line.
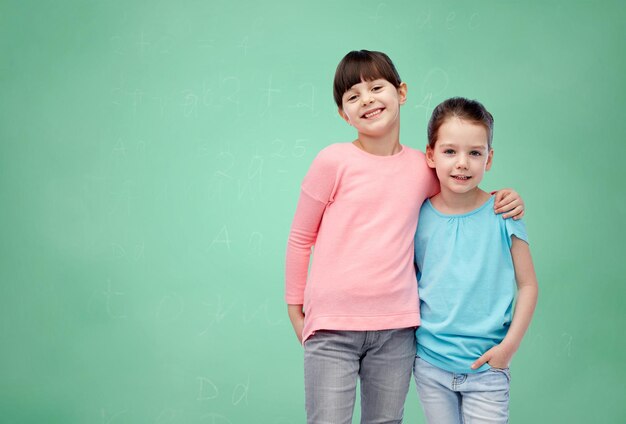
x=373, y=113
x=461, y=177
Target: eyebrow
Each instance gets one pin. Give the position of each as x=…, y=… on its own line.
x=477, y=146
x=372, y=82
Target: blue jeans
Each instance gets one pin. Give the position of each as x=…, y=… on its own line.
x=451, y=398
x=382, y=360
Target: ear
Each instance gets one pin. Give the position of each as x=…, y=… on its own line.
x=344, y=116
x=489, y=160
x=402, y=91
x=430, y=156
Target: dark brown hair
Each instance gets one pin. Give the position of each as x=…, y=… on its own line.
x=462, y=108
x=363, y=65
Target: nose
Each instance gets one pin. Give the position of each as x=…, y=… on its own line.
x=367, y=99
x=461, y=161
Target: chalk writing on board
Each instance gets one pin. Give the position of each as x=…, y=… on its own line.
x=261, y=311
x=269, y=91
x=115, y=307
x=120, y=148
x=142, y=43
x=206, y=44
x=218, y=311
x=474, y=21
x=450, y=21
x=137, y=96
x=298, y=149
x=226, y=161
x=436, y=81
x=252, y=184
x=377, y=16
x=232, y=86
x=245, y=43
x=106, y=419
x=207, y=390
x=281, y=150
x=219, y=314
x=278, y=148
x=119, y=252
x=424, y=19
x=240, y=393
x=310, y=99
x=117, y=41
x=208, y=94
x=221, y=239
x=426, y=104
x=190, y=104
x=255, y=243
x=139, y=251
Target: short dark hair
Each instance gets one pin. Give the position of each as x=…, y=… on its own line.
x=363, y=65
x=462, y=108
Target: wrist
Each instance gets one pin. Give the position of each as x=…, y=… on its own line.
x=295, y=312
x=509, y=345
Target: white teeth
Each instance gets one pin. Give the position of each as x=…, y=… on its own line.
x=376, y=112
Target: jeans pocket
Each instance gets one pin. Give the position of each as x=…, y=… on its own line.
x=506, y=371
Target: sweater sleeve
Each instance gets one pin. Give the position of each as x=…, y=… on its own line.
x=301, y=238
x=317, y=192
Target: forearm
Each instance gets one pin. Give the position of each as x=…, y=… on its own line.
x=527, y=290
x=524, y=309
x=296, y=316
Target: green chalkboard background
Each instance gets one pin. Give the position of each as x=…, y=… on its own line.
x=151, y=154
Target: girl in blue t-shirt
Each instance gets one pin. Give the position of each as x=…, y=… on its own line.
x=469, y=264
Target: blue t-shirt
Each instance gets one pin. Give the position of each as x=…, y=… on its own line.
x=466, y=284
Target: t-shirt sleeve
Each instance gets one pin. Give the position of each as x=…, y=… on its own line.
x=515, y=228
x=316, y=193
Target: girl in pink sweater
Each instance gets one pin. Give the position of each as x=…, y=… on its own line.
x=356, y=308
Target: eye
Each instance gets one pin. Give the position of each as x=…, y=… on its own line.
x=377, y=88
x=351, y=98
x=448, y=152
x=475, y=153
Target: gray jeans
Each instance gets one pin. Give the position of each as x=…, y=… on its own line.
x=382, y=360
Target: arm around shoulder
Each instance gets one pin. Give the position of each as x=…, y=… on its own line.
x=509, y=203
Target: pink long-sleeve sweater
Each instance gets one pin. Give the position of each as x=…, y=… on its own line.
x=360, y=212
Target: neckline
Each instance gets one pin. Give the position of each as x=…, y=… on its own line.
x=489, y=201
x=381, y=157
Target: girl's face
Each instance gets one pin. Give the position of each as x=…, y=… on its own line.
x=461, y=155
x=373, y=107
